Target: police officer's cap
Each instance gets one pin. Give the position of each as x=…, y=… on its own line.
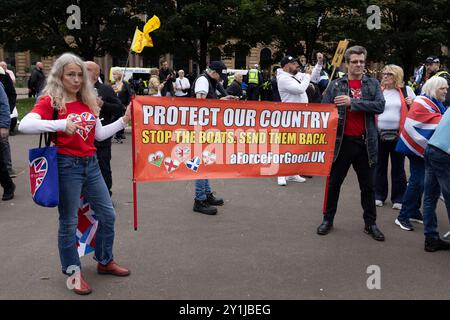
x=432, y=59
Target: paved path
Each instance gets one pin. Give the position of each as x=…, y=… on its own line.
x=262, y=245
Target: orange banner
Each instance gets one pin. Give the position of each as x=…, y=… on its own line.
x=187, y=139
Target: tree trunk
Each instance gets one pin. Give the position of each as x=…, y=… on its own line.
x=203, y=45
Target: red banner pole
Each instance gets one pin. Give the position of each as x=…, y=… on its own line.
x=325, y=196
x=133, y=156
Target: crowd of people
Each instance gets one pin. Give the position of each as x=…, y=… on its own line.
x=378, y=121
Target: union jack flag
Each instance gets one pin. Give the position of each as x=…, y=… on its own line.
x=420, y=124
x=86, y=229
x=38, y=171
x=182, y=153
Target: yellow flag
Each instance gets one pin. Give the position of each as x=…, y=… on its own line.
x=152, y=25
x=143, y=39
x=140, y=41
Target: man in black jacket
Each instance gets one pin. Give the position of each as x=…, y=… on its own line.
x=37, y=79
x=166, y=77
x=358, y=98
x=235, y=88
x=5, y=181
x=111, y=108
x=10, y=91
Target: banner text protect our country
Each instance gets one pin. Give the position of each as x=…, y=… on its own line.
x=181, y=139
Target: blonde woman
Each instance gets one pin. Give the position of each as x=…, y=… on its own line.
x=123, y=91
x=154, y=86
x=398, y=99
x=70, y=95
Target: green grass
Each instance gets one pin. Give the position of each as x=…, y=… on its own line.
x=24, y=106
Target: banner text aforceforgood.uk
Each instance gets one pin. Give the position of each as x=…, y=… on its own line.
x=184, y=139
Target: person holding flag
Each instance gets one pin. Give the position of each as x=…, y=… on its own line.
x=358, y=99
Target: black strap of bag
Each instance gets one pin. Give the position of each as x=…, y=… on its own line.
x=49, y=135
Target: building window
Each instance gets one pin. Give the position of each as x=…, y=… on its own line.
x=215, y=54
x=265, y=58
x=150, y=61
x=120, y=61
x=240, y=59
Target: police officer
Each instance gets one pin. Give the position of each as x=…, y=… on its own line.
x=254, y=80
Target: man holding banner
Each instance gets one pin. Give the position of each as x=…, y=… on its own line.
x=359, y=98
x=205, y=87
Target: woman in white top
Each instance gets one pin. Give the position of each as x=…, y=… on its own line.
x=182, y=85
x=398, y=99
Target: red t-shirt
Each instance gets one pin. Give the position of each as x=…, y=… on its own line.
x=81, y=143
x=354, y=121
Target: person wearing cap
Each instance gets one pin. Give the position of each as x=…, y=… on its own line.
x=292, y=86
x=358, y=98
x=254, y=80
x=425, y=72
x=206, y=86
x=430, y=69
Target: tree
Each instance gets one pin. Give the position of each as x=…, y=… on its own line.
x=41, y=26
x=193, y=27
x=410, y=30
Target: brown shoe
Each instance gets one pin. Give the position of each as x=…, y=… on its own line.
x=81, y=286
x=113, y=268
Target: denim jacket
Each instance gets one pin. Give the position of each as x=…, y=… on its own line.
x=4, y=109
x=372, y=102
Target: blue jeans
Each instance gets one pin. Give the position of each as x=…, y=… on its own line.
x=202, y=187
x=437, y=178
x=82, y=176
x=412, y=199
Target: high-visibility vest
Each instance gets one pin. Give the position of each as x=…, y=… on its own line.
x=266, y=85
x=440, y=73
x=230, y=79
x=253, y=76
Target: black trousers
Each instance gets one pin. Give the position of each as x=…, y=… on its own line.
x=104, y=161
x=5, y=180
x=168, y=87
x=253, y=92
x=353, y=152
